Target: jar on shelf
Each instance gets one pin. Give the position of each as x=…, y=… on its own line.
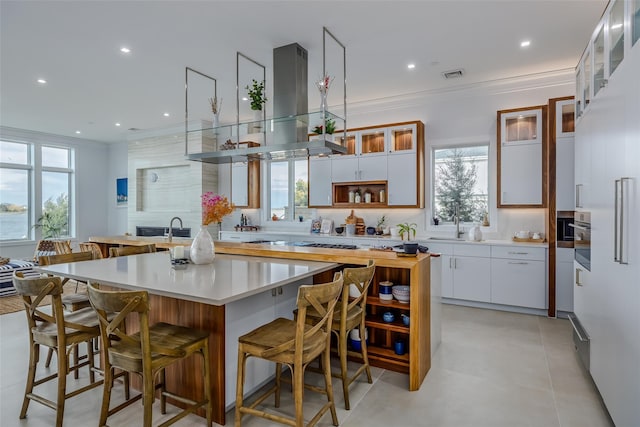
x=382, y=196
x=358, y=197
x=352, y=196
x=367, y=197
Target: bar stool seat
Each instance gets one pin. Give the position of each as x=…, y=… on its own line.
x=342, y=324
x=295, y=344
x=147, y=353
x=58, y=331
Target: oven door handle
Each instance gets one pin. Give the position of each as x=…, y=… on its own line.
x=580, y=227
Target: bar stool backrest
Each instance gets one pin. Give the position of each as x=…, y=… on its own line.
x=131, y=250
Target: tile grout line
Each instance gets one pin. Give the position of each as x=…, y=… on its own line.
x=546, y=359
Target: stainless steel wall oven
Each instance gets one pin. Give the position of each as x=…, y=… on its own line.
x=582, y=238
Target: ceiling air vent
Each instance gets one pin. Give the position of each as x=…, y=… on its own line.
x=133, y=129
x=453, y=74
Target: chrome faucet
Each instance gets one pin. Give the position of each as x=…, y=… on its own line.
x=456, y=220
x=170, y=236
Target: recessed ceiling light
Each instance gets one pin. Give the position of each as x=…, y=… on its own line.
x=42, y=81
x=166, y=114
x=125, y=49
x=411, y=66
x=616, y=26
x=78, y=132
x=117, y=124
x=525, y=43
x=244, y=98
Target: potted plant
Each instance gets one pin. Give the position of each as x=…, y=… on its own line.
x=407, y=229
x=380, y=226
x=328, y=129
x=256, y=94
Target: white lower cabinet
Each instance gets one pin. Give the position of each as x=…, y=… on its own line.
x=507, y=275
x=518, y=276
x=564, y=279
x=466, y=271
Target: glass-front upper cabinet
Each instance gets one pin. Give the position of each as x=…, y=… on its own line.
x=349, y=141
x=598, y=61
x=635, y=21
x=565, y=123
x=520, y=127
x=402, y=139
x=372, y=141
x=586, y=88
x=579, y=93
x=616, y=35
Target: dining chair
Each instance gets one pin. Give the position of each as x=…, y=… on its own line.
x=131, y=250
x=146, y=353
x=94, y=248
x=294, y=343
x=349, y=314
x=60, y=331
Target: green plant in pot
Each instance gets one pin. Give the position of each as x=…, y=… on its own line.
x=408, y=230
x=329, y=127
x=255, y=91
x=380, y=226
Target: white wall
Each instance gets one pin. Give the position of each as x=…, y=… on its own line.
x=117, y=155
x=91, y=194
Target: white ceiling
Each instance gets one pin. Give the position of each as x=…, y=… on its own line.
x=74, y=45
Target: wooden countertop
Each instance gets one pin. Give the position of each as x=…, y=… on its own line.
x=342, y=256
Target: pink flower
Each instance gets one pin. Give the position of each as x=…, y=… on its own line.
x=215, y=207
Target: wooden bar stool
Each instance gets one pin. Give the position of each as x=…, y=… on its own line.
x=295, y=344
x=94, y=248
x=57, y=331
x=70, y=302
x=131, y=250
x=349, y=314
x=147, y=353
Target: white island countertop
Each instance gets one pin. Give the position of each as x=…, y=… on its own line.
x=228, y=278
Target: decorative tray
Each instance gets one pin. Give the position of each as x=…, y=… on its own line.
x=529, y=240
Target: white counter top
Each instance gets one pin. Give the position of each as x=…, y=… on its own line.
x=228, y=278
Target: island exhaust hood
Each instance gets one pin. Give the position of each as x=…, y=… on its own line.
x=284, y=136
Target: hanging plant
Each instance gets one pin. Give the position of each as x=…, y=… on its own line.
x=256, y=94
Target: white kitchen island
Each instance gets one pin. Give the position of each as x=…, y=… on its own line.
x=229, y=297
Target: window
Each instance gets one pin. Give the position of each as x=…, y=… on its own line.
x=288, y=185
x=15, y=194
x=461, y=180
x=20, y=173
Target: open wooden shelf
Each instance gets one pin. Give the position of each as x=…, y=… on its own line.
x=388, y=304
x=395, y=326
x=341, y=194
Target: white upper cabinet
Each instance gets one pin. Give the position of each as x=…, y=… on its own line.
x=521, y=148
x=240, y=184
x=402, y=183
x=402, y=138
x=616, y=35
x=565, y=152
x=598, y=62
x=319, y=181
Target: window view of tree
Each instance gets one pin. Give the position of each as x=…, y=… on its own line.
x=288, y=186
x=55, y=217
x=461, y=180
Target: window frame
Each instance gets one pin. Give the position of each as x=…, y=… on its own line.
x=35, y=199
x=491, y=183
x=291, y=184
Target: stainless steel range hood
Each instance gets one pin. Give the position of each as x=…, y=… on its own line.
x=283, y=137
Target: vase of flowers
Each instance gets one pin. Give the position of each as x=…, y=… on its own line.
x=323, y=87
x=215, y=109
x=214, y=208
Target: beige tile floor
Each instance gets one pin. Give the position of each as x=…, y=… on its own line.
x=492, y=369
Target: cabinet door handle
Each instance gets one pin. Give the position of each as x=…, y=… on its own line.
x=519, y=263
x=355, y=174
x=450, y=263
x=578, y=281
x=273, y=292
x=618, y=232
x=518, y=253
x=455, y=263
x=578, y=201
x=279, y=290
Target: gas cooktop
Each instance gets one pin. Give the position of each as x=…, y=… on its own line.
x=325, y=245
